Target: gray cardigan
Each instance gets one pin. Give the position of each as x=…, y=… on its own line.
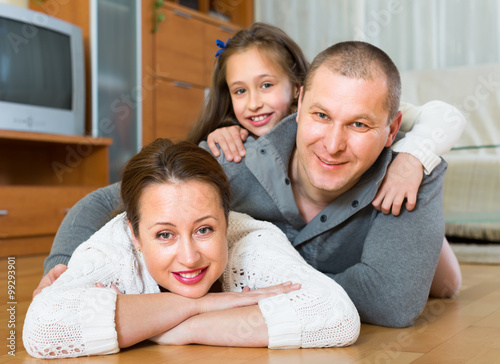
x=385, y=263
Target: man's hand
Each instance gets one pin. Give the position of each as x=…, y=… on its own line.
x=401, y=181
x=50, y=277
x=230, y=140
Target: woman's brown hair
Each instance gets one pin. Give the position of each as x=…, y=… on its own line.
x=164, y=161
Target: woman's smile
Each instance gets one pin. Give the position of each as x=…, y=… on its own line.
x=192, y=276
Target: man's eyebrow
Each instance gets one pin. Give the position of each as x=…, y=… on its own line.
x=368, y=117
x=364, y=116
x=317, y=105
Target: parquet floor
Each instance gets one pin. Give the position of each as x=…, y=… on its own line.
x=465, y=329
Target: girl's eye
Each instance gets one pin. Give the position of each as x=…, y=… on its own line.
x=165, y=235
x=239, y=91
x=205, y=230
x=266, y=85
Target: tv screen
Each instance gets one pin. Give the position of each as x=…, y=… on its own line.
x=38, y=73
x=42, y=73
x=35, y=70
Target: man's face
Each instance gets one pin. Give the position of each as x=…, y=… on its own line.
x=342, y=129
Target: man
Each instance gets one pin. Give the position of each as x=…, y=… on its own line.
x=318, y=187
x=315, y=175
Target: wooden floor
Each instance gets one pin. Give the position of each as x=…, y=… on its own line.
x=461, y=330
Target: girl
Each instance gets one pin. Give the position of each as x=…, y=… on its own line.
x=155, y=264
x=255, y=84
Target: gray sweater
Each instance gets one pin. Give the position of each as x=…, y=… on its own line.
x=385, y=263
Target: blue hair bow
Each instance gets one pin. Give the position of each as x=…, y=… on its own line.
x=222, y=47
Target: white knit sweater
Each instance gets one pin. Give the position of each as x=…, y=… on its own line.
x=73, y=318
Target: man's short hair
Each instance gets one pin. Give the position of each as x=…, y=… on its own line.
x=360, y=60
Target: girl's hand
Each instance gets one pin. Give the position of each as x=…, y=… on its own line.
x=401, y=181
x=230, y=140
x=227, y=300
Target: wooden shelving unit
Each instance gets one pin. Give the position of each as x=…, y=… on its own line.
x=178, y=58
x=41, y=177
x=236, y=12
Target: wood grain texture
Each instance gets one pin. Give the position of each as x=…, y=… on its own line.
x=465, y=329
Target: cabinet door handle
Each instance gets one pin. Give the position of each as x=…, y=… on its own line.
x=4, y=212
x=183, y=14
x=182, y=84
x=225, y=28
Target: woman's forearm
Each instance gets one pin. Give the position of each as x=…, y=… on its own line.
x=140, y=316
x=241, y=326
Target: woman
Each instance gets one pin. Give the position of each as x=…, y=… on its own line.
x=147, y=273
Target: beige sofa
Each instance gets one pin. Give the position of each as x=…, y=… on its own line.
x=472, y=183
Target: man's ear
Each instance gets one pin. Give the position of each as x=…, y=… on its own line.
x=136, y=242
x=394, y=128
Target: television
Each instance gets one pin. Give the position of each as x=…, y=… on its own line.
x=42, y=73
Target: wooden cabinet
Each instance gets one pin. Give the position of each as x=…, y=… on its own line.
x=41, y=177
x=178, y=60
x=180, y=105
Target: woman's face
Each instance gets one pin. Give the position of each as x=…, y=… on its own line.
x=182, y=236
x=261, y=93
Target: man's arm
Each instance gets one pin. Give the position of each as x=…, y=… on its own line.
x=84, y=219
x=390, y=285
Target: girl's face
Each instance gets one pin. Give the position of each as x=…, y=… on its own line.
x=182, y=236
x=261, y=93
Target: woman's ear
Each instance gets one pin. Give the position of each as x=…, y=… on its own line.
x=136, y=242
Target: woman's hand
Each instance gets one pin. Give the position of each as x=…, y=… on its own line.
x=230, y=140
x=115, y=288
x=49, y=278
x=184, y=333
x=401, y=181
x=225, y=300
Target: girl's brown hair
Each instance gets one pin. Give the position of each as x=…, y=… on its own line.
x=164, y=161
x=281, y=50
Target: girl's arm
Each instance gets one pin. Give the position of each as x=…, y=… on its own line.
x=320, y=314
x=431, y=130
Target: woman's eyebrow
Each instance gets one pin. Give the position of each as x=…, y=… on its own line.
x=173, y=225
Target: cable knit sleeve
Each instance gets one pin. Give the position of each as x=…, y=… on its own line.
x=320, y=314
x=74, y=318
x=431, y=130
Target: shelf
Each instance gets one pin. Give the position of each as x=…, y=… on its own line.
x=240, y=15
x=41, y=177
x=53, y=138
